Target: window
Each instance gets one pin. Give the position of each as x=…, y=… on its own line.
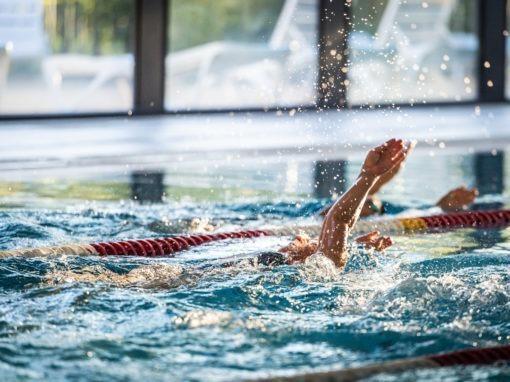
x=66, y=56
x=226, y=54
x=507, y=51
x=410, y=51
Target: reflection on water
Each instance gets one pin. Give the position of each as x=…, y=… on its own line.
x=489, y=172
x=427, y=176
x=147, y=186
x=330, y=178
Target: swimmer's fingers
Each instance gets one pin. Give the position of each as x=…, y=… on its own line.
x=385, y=145
x=392, y=159
x=410, y=146
x=399, y=158
x=387, y=164
x=301, y=239
x=298, y=241
x=464, y=195
x=469, y=196
x=385, y=242
x=408, y=149
x=379, y=243
x=457, y=199
x=369, y=237
x=383, y=158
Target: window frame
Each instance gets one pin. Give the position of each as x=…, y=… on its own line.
x=151, y=23
x=492, y=41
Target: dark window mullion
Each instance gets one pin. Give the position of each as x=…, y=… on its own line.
x=492, y=24
x=333, y=53
x=150, y=52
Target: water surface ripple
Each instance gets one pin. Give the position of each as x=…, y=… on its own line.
x=186, y=318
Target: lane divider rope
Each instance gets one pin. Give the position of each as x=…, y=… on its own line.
x=481, y=356
x=167, y=246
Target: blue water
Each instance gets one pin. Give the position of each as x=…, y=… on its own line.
x=185, y=318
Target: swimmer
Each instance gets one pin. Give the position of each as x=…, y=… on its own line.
x=332, y=241
x=345, y=212
x=458, y=199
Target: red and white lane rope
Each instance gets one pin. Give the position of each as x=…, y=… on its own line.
x=482, y=356
x=168, y=246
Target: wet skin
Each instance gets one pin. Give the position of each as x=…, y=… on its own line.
x=343, y=215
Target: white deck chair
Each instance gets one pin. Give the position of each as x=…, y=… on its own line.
x=21, y=28
x=100, y=71
x=294, y=38
x=414, y=27
x=297, y=23
x=294, y=31
x=4, y=67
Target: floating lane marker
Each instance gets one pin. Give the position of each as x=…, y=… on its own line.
x=482, y=356
x=168, y=246
x=74, y=250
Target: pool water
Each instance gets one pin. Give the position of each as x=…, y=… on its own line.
x=188, y=318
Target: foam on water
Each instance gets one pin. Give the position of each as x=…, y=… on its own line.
x=148, y=276
x=201, y=318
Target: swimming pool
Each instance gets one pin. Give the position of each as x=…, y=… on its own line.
x=184, y=318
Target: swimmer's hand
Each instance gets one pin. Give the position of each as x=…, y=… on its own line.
x=389, y=175
x=384, y=158
x=299, y=249
x=384, y=162
x=458, y=199
x=375, y=240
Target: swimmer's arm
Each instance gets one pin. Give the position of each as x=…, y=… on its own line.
x=324, y=212
x=346, y=210
x=383, y=179
x=342, y=216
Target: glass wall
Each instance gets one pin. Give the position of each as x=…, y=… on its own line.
x=66, y=56
x=410, y=51
x=507, y=52
x=75, y=56
x=227, y=54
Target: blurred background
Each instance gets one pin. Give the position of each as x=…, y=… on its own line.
x=251, y=95
x=68, y=56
